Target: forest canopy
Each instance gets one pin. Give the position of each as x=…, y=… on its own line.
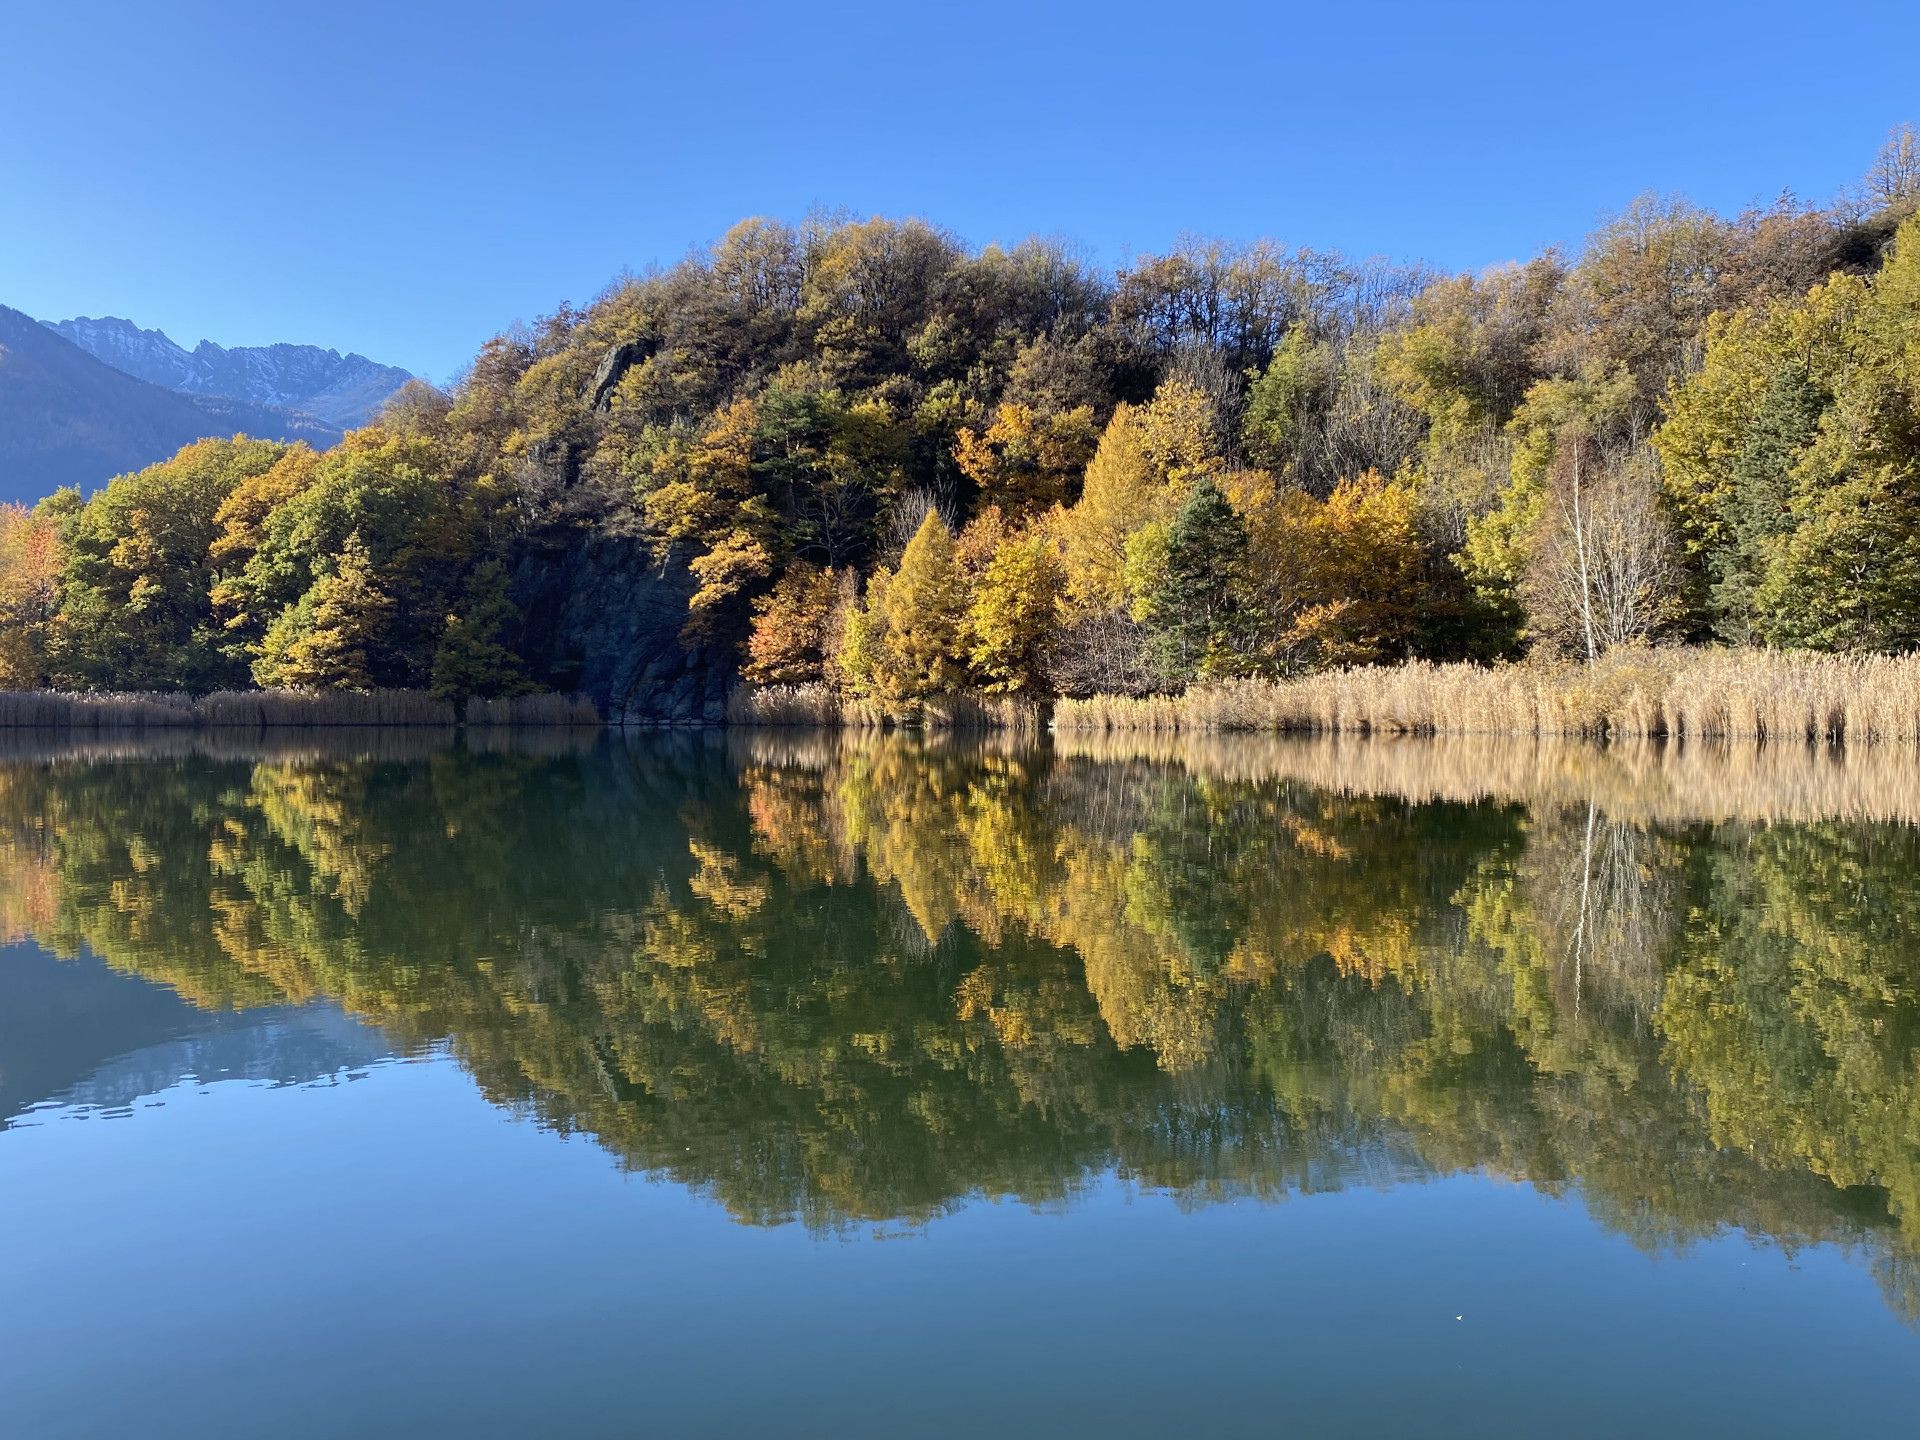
x=887, y=461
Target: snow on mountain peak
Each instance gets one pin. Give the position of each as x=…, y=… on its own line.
x=344, y=390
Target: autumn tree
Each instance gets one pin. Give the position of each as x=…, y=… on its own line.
x=921, y=651
x=243, y=606
x=1026, y=461
x=336, y=635
x=136, y=608
x=418, y=528
x=1344, y=581
x=30, y=563
x=791, y=636
x=1015, y=615
x=704, y=498
x=1148, y=459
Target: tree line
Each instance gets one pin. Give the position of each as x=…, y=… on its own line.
x=898, y=465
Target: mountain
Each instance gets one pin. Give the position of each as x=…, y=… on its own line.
x=343, y=390
x=69, y=419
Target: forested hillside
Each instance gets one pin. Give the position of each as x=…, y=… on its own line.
x=866, y=454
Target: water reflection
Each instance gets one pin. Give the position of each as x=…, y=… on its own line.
x=863, y=979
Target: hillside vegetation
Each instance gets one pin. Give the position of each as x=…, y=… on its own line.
x=898, y=466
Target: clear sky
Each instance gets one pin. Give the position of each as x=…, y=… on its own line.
x=406, y=179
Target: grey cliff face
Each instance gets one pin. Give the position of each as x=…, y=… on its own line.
x=600, y=615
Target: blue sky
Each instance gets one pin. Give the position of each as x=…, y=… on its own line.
x=406, y=179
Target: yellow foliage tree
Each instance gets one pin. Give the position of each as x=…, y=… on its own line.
x=30, y=561
x=854, y=660
x=979, y=541
x=1015, y=613
x=920, y=653
x=327, y=640
x=1334, y=582
x=705, y=501
x=1026, y=461
x=242, y=518
x=1148, y=459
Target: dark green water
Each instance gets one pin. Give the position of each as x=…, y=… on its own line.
x=720, y=1085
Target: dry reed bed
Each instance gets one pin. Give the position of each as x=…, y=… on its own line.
x=548, y=709
x=818, y=705
x=271, y=709
x=1749, y=695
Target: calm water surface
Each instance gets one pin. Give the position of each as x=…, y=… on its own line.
x=783, y=1084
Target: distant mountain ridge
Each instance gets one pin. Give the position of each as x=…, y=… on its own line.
x=69, y=419
x=343, y=390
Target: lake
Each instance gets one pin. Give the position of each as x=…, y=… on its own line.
x=736, y=1083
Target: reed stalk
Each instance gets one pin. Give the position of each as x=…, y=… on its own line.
x=754, y=706
x=1754, y=696
x=549, y=709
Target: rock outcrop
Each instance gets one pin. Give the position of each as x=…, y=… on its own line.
x=613, y=368
x=600, y=615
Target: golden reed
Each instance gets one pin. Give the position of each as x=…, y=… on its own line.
x=762, y=706
x=1701, y=694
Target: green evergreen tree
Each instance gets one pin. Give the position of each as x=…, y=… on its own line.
x=1191, y=610
x=1756, y=508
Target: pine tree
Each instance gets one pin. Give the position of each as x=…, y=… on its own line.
x=1191, y=609
x=1755, y=508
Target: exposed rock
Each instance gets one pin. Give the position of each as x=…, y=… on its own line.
x=601, y=616
x=613, y=367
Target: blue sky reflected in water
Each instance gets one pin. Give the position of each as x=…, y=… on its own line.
x=691, y=1085
x=395, y=1256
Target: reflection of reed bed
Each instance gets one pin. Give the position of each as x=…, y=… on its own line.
x=1749, y=695
x=820, y=747
x=813, y=706
x=1653, y=780
x=401, y=744
x=279, y=709
x=789, y=748
x=224, y=709
x=547, y=742
x=287, y=743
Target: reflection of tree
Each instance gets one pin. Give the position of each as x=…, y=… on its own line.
x=1582, y=919
x=863, y=981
